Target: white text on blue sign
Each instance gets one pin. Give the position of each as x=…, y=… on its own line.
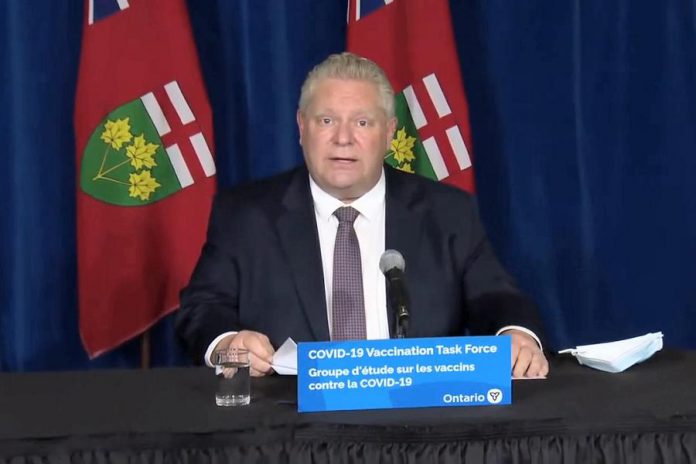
x=404, y=373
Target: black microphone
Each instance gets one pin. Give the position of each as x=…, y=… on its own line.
x=392, y=265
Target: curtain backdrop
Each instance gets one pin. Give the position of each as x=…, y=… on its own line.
x=584, y=122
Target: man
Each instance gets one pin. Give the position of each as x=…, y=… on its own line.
x=272, y=266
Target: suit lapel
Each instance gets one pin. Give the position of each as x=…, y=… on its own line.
x=299, y=238
x=404, y=222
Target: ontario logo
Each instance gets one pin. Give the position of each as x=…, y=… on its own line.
x=126, y=161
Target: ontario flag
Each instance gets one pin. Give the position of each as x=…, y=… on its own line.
x=413, y=41
x=145, y=166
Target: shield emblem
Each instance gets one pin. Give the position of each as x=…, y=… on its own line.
x=126, y=162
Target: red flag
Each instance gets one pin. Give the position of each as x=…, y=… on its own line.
x=413, y=41
x=144, y=139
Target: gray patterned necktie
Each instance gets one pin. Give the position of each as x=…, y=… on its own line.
x=348, y=304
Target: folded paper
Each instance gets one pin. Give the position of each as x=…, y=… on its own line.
x=285, y=359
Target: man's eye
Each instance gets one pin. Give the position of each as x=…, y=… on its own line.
x=325, y=121
x=363, y=123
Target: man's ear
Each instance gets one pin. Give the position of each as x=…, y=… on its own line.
x=391, y=128
x=300, y=123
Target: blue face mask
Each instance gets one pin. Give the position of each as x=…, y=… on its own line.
x=617, y=356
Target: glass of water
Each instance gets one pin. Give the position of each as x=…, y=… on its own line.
x=232, y=370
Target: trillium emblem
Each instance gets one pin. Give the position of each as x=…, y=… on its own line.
x=494, y=396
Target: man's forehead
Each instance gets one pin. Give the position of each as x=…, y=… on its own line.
x=331, y=97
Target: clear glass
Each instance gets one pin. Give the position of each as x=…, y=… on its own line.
x=232, y=370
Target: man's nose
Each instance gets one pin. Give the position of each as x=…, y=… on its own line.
x=344, y=134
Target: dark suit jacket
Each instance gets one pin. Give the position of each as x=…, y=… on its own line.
x=261, y=270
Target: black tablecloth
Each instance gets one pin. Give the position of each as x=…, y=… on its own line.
x=647, y=414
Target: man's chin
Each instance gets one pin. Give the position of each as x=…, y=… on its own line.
x=346, y=186
x=346, y=192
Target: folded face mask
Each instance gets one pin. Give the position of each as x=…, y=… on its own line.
x=617, y=356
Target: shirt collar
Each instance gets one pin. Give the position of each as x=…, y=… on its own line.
x=369, y=205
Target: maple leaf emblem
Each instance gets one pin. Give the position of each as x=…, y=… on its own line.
x=142, y=185
x=401, y=150
x=402, y=147
x=406, y=167
x=116, y=133
x=141, y=153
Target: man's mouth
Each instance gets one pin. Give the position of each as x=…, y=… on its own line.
x=341, y=159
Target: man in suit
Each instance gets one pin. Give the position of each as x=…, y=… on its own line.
x=269, y=269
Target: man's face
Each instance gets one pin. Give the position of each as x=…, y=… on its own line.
x=344, y=136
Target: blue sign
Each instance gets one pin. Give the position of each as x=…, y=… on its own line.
x=403, y=373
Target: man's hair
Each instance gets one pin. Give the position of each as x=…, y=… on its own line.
x=348, y=66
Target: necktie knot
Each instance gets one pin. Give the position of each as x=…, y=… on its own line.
x=346, y=214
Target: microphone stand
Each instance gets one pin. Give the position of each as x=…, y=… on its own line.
x=401, y=322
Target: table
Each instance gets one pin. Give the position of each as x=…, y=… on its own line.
x=646, y=414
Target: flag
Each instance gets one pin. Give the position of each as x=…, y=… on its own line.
x=145, y=166
x=413, y=41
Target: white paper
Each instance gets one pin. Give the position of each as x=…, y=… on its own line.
x=284, y=360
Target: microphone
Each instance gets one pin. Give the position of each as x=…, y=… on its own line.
x=392, y=265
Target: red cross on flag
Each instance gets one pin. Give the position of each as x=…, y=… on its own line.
x=413, y=41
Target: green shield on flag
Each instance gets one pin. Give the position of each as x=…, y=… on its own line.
x=124, y=162
x=407, y=152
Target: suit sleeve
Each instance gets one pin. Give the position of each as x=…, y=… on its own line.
x=492, y=297
x=210, y=303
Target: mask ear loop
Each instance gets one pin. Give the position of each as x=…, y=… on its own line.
x=572, y=351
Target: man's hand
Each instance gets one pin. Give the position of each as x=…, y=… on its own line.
x=259, y=347
x=527, y=358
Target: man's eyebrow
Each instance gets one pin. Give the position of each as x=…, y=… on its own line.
x=324, y=111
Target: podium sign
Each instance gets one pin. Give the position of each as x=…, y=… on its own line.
x=403, y=373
